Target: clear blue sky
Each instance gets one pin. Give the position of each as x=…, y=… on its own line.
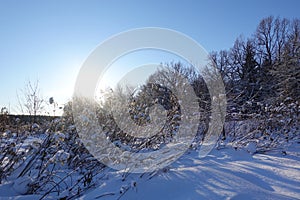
x=49, y=40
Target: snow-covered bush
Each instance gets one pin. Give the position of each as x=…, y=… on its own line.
x=53, y=162
x=273, y=128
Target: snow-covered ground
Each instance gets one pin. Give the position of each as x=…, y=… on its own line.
x=224, y=174
x=254, y=161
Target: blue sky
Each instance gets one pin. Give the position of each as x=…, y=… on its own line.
x=49, y=40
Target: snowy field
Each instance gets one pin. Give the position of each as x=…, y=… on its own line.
x=258, y=159
x=225, y=173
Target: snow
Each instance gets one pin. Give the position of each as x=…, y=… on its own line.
x=245, y=165
x=21, y=185
x=224, y=174
x=60, y=156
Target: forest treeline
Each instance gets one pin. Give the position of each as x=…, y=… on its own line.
x=263, y=69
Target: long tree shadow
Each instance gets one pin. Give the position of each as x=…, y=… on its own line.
x=225, y=175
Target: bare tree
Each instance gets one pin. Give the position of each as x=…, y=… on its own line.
x=31, y=101
x=265, y=37
x=287, y=71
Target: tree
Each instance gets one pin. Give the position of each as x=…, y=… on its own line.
x=271, y=40
x=264, y=68
x=249, y=72
x=287, y=70
x=265, y=38
x=31, y=102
